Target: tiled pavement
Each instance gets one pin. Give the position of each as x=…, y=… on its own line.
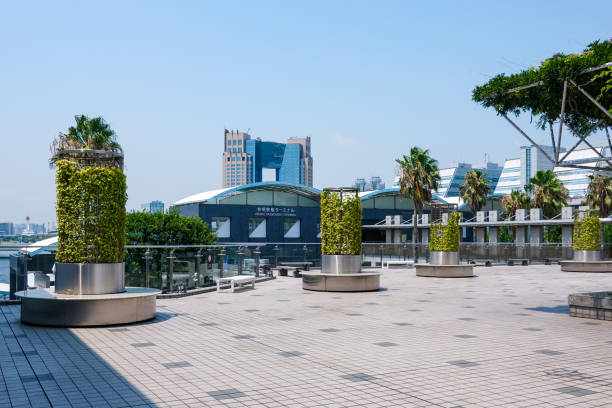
x=503, y=338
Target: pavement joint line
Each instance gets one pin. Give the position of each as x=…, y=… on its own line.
x=27, y=358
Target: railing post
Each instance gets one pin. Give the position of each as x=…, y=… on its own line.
x=257, y=253
x=567, y=231
x=480, y=230
x=520, y=234
x=240, y=256
x=147, y=258
x=221, y=261
x=276, y=255
x=171, y=271
x=198, y=258
x=493, y=231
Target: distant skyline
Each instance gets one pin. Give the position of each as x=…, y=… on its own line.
x=366, y=80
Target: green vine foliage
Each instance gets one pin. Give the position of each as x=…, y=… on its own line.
x=340, y=223
x=91, y=216
x=587, y=233
x=544, y=101
x=445, y=237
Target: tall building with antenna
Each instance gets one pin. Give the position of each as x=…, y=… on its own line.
x=244, y=160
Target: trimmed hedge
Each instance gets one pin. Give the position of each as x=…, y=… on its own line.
x=340, y=224
x=587, y=233
x=90, y=213
x=445, y=237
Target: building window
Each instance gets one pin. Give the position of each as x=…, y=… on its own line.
x=292, y=228
x=221, y=225
x=257, y=227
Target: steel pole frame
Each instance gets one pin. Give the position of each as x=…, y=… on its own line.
x=557, y=148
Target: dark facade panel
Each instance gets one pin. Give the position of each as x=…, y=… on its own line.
x=275, y=221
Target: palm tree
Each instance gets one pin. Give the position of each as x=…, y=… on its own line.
x=419, y=177
x=514, y=201
x=599, y=194
x=88, y=134
x=475, y=190
x=548, y=192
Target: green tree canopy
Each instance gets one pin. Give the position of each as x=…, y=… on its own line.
x=599, y=194
x=475, y=190
x=169, y=228
x=506, y=93
x=514, y=201
x=548, y=191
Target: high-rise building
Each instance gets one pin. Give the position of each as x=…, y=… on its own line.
x=153, y=207
x=510, y=178
x=518, y=172
x=533, y=160
x=6, y=228
x=375, y=183
x=452, y=178
x=577, y=180
x=244, y=160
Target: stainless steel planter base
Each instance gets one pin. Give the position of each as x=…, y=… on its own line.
x=587, y=256
x=44, y=307
x=443, y=258
x=89, y=278
x=584, y=266
x=340, y=264
x=347, y=282
x=444, y=271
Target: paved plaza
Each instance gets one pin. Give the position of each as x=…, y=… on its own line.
x=501, y=339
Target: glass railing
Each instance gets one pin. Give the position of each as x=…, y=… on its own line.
x=469, y=251
x=185, y=268
x=168, y=268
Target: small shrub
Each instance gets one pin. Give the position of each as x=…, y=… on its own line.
x=340, y=223
x=445, y=237
x=587, y=233
x=90, y=213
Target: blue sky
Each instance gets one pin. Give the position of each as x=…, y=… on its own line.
x=366, y=80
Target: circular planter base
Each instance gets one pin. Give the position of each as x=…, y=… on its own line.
x=444, y=271
x=44, y=307
x=583, y=266
x=346, y=282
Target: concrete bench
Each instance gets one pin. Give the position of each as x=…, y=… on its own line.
x=408, y=264
x=284, y=270
x=236, y=280
x=485, y=262
x=522, y=261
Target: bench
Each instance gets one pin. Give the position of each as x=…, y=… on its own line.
x=485, y=262
x=409, y=264
x=522, y=261
x=236, y=280
x=284, y=270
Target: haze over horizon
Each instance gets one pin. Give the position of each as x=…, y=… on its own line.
x=365, y=80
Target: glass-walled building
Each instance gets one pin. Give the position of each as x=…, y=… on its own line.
x=244, y=160
x=452, y=178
